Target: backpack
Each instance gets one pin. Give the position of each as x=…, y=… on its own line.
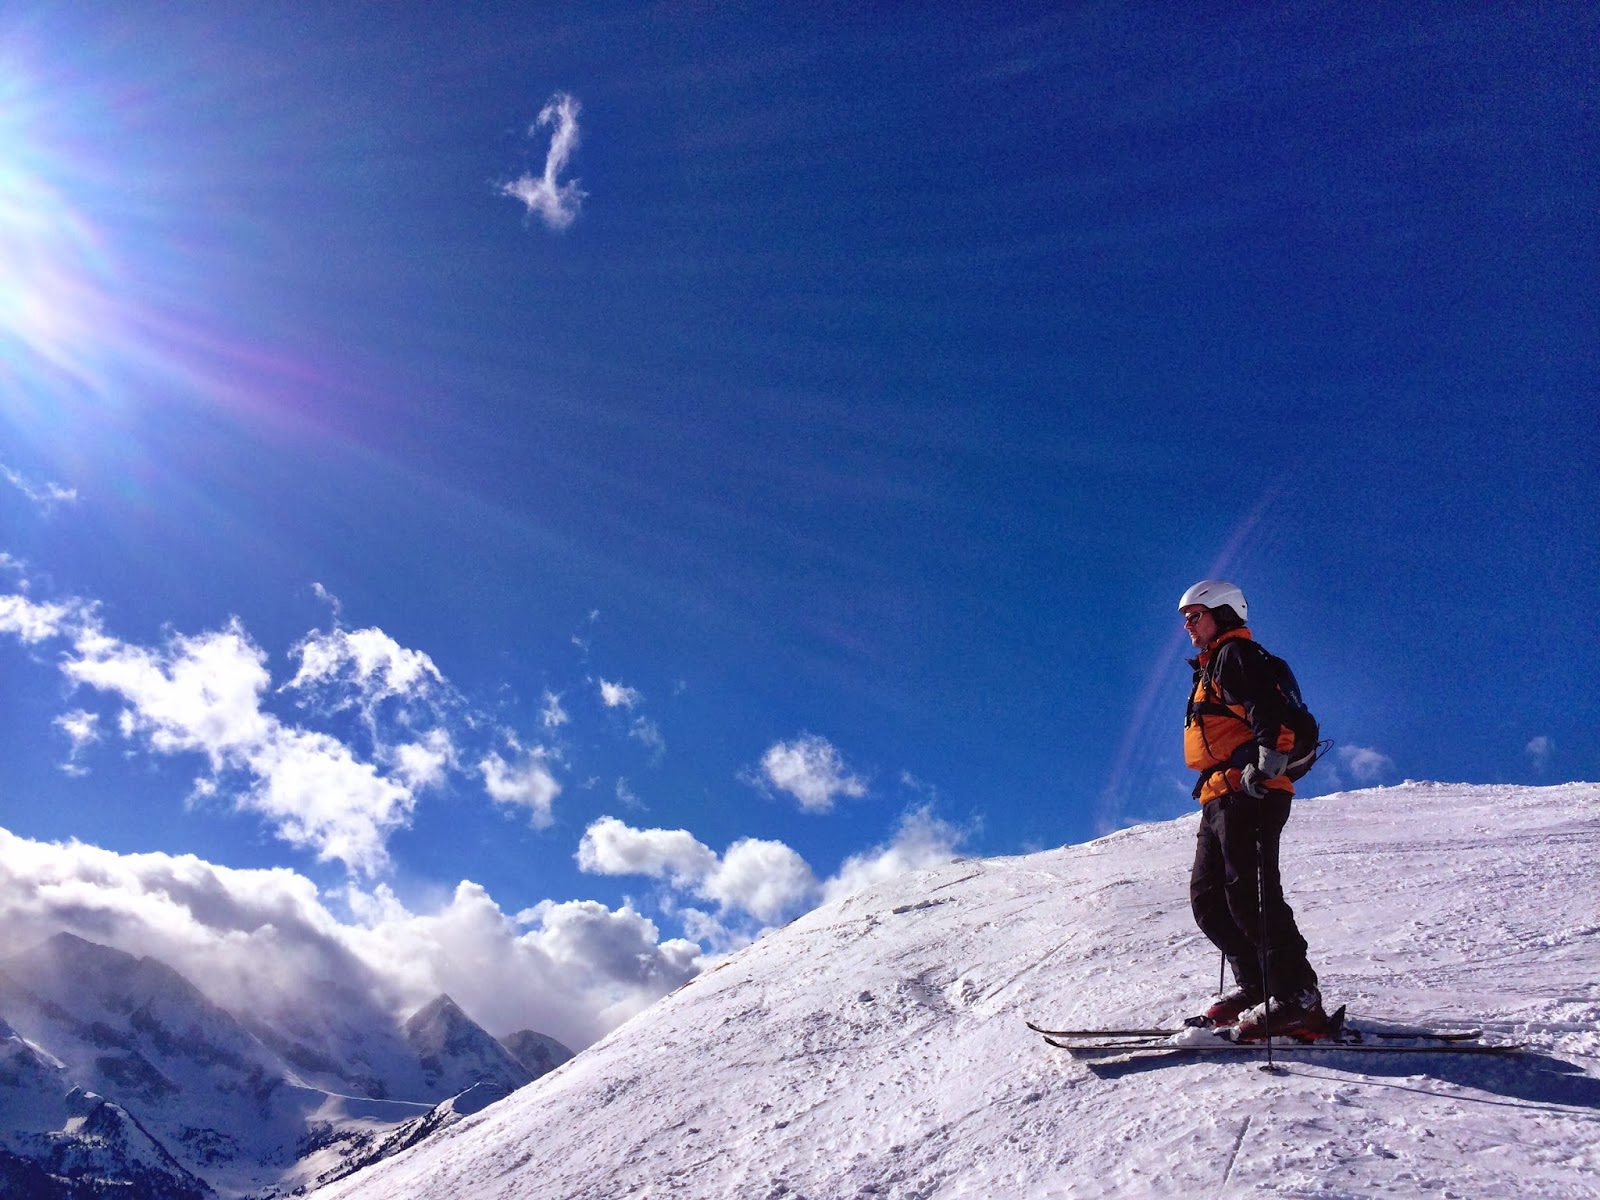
x=1307, y=746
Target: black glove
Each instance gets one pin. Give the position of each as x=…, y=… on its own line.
x=1269, y=764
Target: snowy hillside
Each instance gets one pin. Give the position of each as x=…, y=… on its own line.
x=876, y=1047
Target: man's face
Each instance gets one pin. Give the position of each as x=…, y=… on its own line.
x=1199, y=624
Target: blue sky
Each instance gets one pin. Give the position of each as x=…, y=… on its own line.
x=785, y=435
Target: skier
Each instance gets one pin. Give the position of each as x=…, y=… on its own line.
x=1236, y=735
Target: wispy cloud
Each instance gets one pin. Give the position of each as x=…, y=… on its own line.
x=83, y=730
x=32, y=622
x=617, y=695
x=642, y=729
x=1539, y=750
x=46, y=497
x=811, y=770
x=554, y=202
x=626, y=796
x=648, y=734
x=1364, y=764
x=922, y=840
x=552, y=715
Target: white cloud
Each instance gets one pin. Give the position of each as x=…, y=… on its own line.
x=626, y=795
x=323, y=798
x=83, y=730
x=812, y=771
x=610, y=847
x=617, y=695
x=44, y=496
x=701, y=926
x=615, y=946
x=1362, y=764
x=553, y=716
x=648, y=734
x=425, y=762
x=335, y=605
x=922, y=840
x=556, y=203
x=264, y=941
x=368, y=661
x=199, y=693
x=33, y=623
x=203, y=694
x=1365, y=765
x=527, y=782
x=1539, y=750
x=766, y=879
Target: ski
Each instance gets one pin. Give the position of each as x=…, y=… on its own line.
x=1156, y=1033
x=1129, y=1049
x=1089, y=1033
x=1448, y=1036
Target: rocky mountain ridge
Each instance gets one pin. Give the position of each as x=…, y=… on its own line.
x=118, y=1072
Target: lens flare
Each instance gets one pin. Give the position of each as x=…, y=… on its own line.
x=56, y=272
x=130, y=319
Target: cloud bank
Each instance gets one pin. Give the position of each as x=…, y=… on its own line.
x=264, y=941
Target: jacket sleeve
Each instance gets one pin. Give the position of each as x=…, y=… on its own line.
x=1243, y=675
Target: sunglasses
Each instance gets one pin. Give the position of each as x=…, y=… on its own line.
x=1194, y=617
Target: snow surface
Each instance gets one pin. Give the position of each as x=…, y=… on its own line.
x=876, y=1046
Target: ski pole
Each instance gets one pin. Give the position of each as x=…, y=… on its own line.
x=1261, y=934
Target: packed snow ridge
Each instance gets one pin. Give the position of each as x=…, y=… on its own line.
x=876, y=1046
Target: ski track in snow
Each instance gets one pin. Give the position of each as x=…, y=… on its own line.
x=875, y=1047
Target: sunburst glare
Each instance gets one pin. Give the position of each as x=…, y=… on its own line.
x=58, y=315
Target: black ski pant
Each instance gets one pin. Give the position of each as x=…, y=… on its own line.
x=1252, y=929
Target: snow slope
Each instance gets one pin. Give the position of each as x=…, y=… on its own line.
x=876, y=1048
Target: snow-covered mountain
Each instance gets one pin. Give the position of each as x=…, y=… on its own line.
x=876, y=1046
x=456, y=1053
x=538, y=1052
x=57, y=1139
x=117, y=1070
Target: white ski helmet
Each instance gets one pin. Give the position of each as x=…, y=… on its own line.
x=1214, y=593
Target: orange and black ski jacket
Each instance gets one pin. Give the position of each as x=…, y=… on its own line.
x=1234, y=708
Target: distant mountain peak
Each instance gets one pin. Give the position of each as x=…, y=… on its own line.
x=441, y=1007
x=539, y=1052
x=456, y=1052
